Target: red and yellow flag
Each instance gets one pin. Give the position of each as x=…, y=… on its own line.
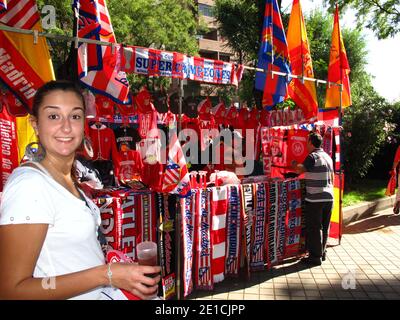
x=25, y=65
x=338, y=70
x=303, y=94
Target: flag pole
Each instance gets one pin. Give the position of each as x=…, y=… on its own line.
x=340, y=124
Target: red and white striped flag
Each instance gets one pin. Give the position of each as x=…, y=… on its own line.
x=19, y=14
x=99, y=66
x=176, y=178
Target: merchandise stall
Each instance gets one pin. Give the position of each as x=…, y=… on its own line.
x=219, y=229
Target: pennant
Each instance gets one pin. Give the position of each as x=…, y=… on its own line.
x=272, y=56
x=338, y=70
x=176, y=176
x=302, y=93
x=99, y=66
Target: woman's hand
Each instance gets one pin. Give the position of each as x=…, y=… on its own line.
x=140, y=280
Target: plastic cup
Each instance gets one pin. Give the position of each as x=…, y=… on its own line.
x=147, y=253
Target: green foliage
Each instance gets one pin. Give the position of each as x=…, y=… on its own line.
x=162, y=24
x=240, y=23
x=382, y=17
x=367, y=125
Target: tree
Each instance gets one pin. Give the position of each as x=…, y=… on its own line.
x=162, y=24
x=382, y=17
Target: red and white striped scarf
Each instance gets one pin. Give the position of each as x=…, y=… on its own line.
x=203, y=266
x=259, y=221
x=188, y=207
x=233, y=231
x=293, y=221
x=218, y=231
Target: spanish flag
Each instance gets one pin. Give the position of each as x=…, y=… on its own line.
x=338, y=70
x=24, y=65
x=303, y=94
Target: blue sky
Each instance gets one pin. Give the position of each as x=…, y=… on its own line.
x=382, y=54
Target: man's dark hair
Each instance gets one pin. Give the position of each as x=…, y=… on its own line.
x=315, y=139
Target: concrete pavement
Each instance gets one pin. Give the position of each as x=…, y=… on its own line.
x=365, y=266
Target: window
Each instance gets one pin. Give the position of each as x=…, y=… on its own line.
x=206, y=10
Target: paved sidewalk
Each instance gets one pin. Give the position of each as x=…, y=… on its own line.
x=365, y=266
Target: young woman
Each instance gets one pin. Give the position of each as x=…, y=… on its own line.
x=48, y=227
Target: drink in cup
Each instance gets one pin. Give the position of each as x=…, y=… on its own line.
x=147, y=253
x=147, y=256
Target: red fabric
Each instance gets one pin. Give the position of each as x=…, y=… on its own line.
x=391, y=187
x=104, y=107
x=204, y=109
x=143, y=101
x=243, y=118
x=152, y=176
x=147, y=122
x=13, y=105
x=104, y=145
x=254, y=119
x=396, y=157
x=297, y=145
x=265, y=118
x=232, y=116
x=219, y=112
x=130, y=165
x=219, y=208
x=9, y=146
x=127, y=109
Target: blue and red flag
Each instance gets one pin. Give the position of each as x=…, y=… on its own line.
x=176, y=178
x=99, y=66
x=272, y=56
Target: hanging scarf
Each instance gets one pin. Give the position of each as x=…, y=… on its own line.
x=247, y=217
x=281, y=226
x=327, y=141
x=273, y=208
x=111, y=220
x=187, y=211
x=166, y=205
x=203, y=271
x=266, y=151
x=233, y=231
x=147, y=212
x=259, y=220
x=218, y=231
x=293, y=224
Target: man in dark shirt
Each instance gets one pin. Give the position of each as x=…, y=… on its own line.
x=319, y=175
